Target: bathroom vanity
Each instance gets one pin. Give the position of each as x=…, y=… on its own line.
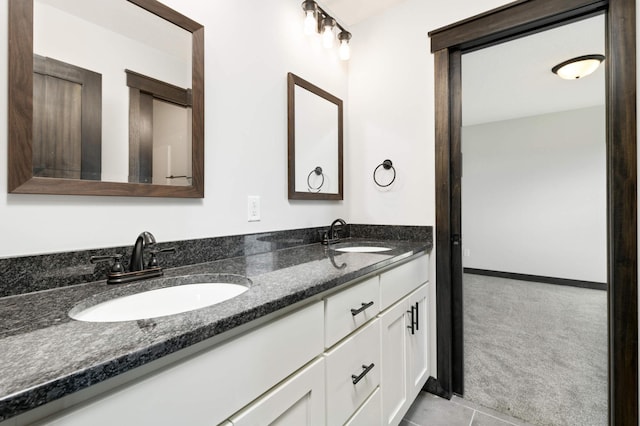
x=320, y=337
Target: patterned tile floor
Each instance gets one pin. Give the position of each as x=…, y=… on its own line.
x=430, y=410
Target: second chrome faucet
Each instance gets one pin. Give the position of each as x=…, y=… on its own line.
x=337, y=229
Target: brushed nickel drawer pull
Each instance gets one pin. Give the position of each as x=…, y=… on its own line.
x=364, y=306
x=355, y=379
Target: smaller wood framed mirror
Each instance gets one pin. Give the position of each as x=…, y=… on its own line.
x=315, y=131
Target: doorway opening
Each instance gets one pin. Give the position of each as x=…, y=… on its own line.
x=533, y=201
x=512, y=21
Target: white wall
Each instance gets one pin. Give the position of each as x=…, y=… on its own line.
x=534, y=195
x=249, y=48
x=390, y=115
x=391, y=109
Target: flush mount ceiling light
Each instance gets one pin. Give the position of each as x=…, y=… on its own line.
x=318, y=21
x=579, y=67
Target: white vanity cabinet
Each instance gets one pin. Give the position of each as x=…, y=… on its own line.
x=209, y=387
x=404, y=354
x=357, y=357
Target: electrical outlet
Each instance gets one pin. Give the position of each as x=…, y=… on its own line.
x=466, y=252
x=253, y=208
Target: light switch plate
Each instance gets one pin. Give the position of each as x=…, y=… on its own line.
x=253, y=208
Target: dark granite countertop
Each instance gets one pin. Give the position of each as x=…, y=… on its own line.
x=45, y=355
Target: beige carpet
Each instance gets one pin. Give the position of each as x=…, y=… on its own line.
x=537, y=352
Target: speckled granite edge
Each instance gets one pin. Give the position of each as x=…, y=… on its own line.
x=28, y=274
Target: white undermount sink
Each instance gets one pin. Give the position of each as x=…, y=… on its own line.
x=362, y=249
x=159, y=302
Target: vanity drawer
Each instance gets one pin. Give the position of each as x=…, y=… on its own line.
x=400, y=281
x=299, y=400
x=344, y=312
x=355, y=359
x=370, y=413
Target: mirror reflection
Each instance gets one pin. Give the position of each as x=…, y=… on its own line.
x=86, y=123
x=315, y=142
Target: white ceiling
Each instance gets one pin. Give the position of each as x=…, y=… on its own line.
x=514, y=79
x=350, y=12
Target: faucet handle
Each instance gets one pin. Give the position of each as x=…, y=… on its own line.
x=117, y=261
x=153, y=262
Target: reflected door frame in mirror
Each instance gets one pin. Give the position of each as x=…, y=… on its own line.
x=293, y=81
x=20, y=141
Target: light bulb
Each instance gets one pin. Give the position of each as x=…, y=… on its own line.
x=310, y=24
x=327, y=32
x=343, y=51
x=327, y=37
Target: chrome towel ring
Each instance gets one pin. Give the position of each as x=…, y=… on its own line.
x=386, y=164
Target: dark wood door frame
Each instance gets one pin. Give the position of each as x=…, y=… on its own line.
x=508, y=22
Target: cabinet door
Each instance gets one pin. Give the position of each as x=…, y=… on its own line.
x=404, y=353
x=394, y=369
x=417, y=342
x=297, y=401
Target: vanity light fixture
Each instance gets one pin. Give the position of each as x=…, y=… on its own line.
x=579, y=67
x=318, y=21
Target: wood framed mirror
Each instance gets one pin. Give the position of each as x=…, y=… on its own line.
x=315, y=132
x=65, y=167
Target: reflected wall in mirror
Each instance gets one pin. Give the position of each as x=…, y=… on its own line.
x=81, y=123
x=315, y=142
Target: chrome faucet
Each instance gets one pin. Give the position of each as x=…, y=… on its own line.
x=144, y=240
x=333, y=235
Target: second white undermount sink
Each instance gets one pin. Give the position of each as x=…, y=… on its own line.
x=362, y=249
x=159, y=302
